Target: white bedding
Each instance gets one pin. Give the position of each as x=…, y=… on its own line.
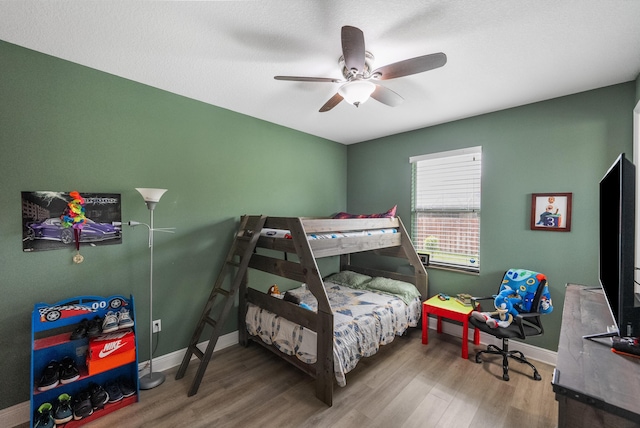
x=280, y=233
x=363, y=320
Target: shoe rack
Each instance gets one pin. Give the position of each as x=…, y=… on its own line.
x=51, y=328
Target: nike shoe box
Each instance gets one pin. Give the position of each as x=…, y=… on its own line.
x=111, y=350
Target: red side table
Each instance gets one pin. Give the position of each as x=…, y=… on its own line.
x=452, y=310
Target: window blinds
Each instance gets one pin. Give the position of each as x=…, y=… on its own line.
x=446, y=207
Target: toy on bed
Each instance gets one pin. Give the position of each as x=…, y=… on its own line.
x=516, y=295
x=274, y=290
x=289, y=297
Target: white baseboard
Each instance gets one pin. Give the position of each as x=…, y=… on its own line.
x=173, y=359
x=15, y=415
x=539, y=354
x=20, y=413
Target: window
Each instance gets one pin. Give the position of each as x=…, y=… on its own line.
x=445, y=207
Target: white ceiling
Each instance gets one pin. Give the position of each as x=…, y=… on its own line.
x=501, y=53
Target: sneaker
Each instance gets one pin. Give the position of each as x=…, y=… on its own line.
x=94, y=328
x=82, y=405
x=99, y=397
x=68, y=371
x=81, y=330
x=126, y=386
x=63, y=412
x=110, y=322
x=50, y=376
x=124, y=319
x=115, y=394
x=43, y=418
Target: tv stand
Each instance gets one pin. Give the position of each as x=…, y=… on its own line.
x=594, y=387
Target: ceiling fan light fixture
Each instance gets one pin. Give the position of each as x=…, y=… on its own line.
x=357, y=92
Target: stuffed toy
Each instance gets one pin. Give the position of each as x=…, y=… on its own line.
x=505, y=302
x=274, y=291
x=516, y=295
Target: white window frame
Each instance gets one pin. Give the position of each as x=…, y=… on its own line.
x=447, y=185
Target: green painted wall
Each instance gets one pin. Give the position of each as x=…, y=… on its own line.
x=561, y=145
x=66, y=127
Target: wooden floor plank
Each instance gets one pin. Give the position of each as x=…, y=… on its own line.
x=406, y=384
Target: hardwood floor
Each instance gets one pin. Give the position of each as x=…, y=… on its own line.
x=406, y=384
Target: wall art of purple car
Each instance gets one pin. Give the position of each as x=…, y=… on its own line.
x=42, y=227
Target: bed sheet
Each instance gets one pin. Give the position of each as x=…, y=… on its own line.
x=281, y=233
x=363, y=321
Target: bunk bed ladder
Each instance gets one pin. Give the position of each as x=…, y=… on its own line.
x=243, y=247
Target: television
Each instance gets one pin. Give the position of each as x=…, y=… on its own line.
x=617, y=248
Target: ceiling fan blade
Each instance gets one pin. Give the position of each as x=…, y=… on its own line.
x=386, y=96
x=353, y=48
x=410, y=66
x=308, y=79
x=333, y=101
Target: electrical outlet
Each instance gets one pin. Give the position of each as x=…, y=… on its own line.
x=157, y=326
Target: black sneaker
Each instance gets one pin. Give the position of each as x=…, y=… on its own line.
x=114, y=392
x=82, y=405
x=99, y=397
x=68, y=371
x=63, y=412
x=81, y=330
x=94, y=328
x=50, y=376
x=126, y=386
x=43, y=418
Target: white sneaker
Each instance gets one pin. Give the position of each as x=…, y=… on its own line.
x=124, y=319
x=110, y=322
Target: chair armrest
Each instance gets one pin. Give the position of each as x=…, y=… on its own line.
x=475, y=300
x=529, y=314
x=525, y=317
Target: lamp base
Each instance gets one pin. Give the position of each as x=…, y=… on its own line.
x=151, y=380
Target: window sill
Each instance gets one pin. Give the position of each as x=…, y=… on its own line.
x=442, y=266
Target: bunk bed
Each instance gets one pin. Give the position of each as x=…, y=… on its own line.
x=289, y=247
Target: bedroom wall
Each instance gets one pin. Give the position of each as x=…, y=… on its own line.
x=66, y=127
x=561, y=145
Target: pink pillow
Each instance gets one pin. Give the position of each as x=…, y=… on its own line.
x=390, y=213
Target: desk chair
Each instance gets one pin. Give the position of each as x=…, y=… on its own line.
x=530, y=297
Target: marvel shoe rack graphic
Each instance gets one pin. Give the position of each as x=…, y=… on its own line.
x=108, y=358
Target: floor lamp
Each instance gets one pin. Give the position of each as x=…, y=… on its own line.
x=151, y=198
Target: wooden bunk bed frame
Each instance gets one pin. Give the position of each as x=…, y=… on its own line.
x=305, y=270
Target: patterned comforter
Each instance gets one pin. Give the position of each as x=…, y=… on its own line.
x=363, y=321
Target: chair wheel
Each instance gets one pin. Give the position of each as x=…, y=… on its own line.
x=478, y=358
x=536, y=376
x=505, y=377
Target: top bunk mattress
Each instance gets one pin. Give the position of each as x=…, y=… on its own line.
x=286, y=234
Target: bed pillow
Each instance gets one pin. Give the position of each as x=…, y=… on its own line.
x=349, y=279
x=389, y=214
x=407, y=292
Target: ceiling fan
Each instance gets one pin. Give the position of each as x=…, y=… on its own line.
x=360, y=82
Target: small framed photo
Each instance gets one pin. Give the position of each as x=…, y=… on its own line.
x=551, y=212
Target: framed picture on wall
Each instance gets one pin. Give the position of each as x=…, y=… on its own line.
x=43, y=228
x=551, y=212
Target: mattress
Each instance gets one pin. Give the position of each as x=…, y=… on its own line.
x=363, y=320
x=280, y=233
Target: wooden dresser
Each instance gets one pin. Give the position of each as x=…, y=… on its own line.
x=594, y=387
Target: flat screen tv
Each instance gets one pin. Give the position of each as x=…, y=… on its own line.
x=617, y=247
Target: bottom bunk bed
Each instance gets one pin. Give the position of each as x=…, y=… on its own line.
x=364, y=319
x=325, y=326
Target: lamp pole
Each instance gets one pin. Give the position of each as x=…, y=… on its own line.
x=151, y=197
